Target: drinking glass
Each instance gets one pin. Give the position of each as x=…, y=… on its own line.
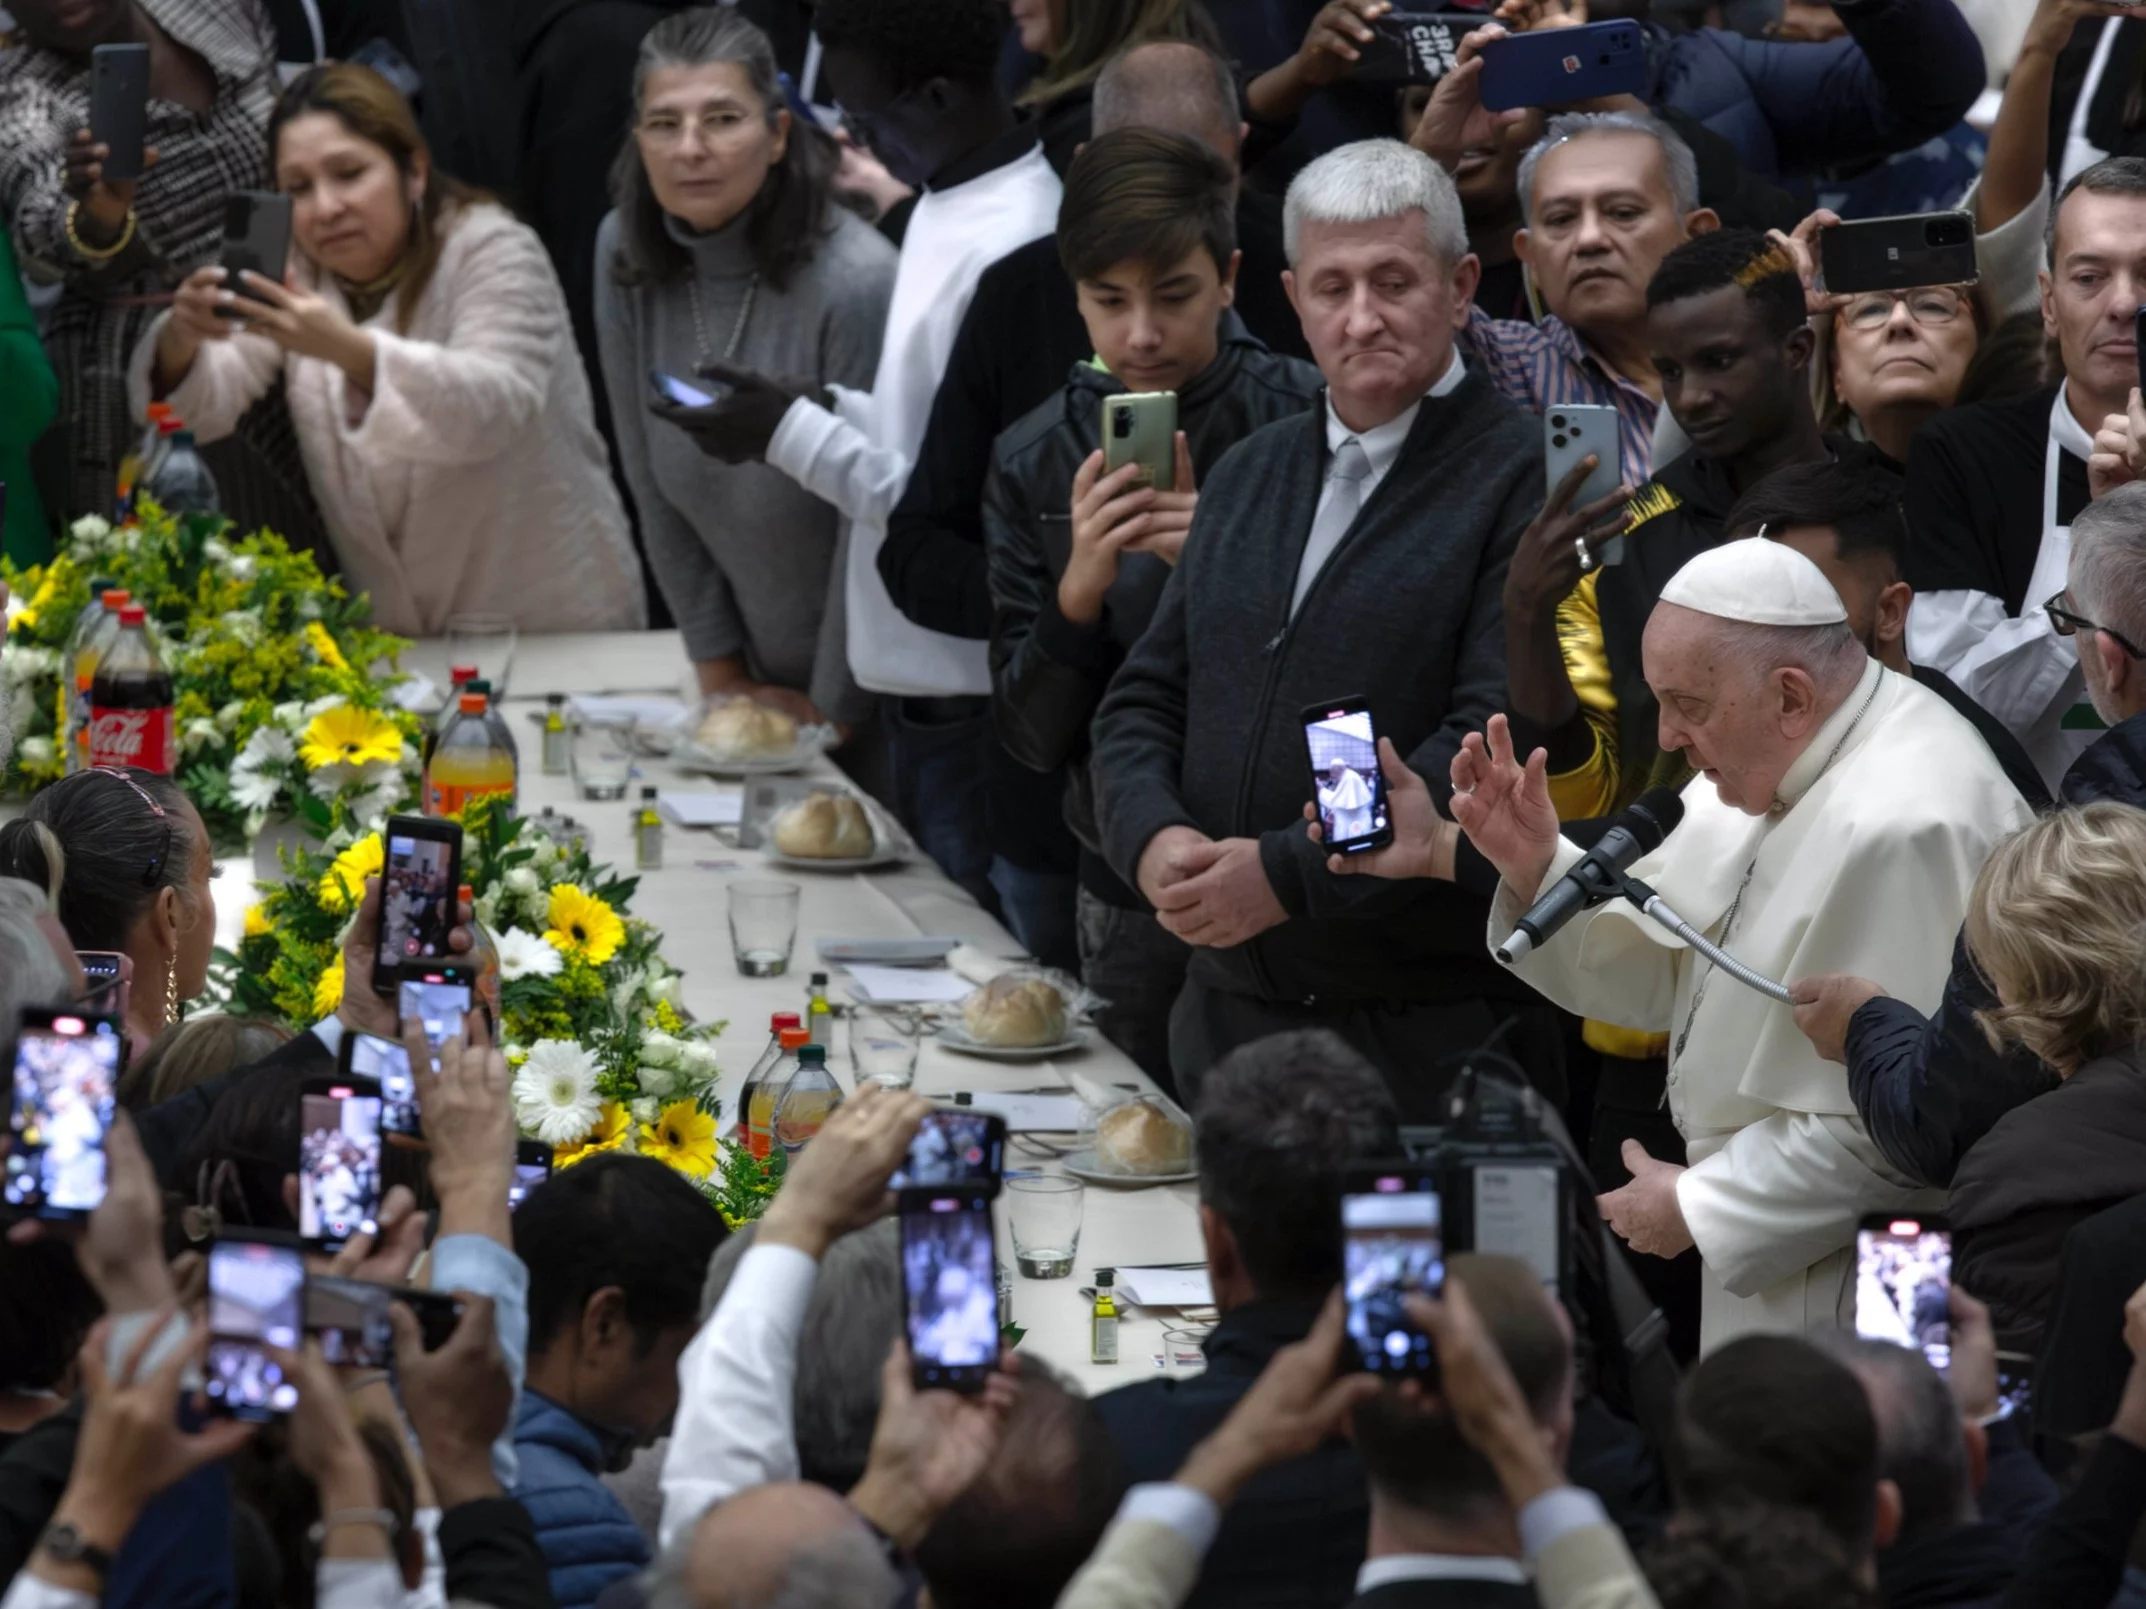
x=602, y=759
x=1044, y=1215
x=763, y=926
x=883, y=1046
x=486, y=641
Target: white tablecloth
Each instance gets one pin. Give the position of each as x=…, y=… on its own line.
x=687, y=902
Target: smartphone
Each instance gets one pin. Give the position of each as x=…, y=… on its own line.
x=1903, y=1284
x=419, y=884
x=1345, y=776
x=1413, y=47
x=954, y=1150
x=950, y=1290
x=2138, y=335
x=65, y=1090
x=109, y=974
x=1392, y=1243
x=257, y=239
x=438, y=998
x=256, y=1301
x=349, y=1318
x=339, y=1146
x=672, y=389
x=368, y=1059
x=1564, y=65
x=119, y=106
x=1898, y=254
x=1140, y=427
x=1569, y=434
x=532, y=1166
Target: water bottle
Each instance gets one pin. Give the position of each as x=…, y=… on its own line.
x=180, y=481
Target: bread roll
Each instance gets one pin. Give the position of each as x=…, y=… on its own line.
x=824, y=826
x=1015, y=1012
x=740, y=729
x=1140, y=1137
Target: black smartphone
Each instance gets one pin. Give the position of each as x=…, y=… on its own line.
x=532, y=1166
x=1345, y=776
x=950, y=1290
x=419, y=882
x=1903, y=1283
x=257, y=239
x=1898, y=254
x=954, y=1149
x=367, y=1059
x=2138, y=336
x=108, y=974
x=1563, y=65
x=1392, y=1244
x=256, y=1301
x=1413, y=47
x=339, y=1157
x=65, y=1090
x=670, y=388
x=119, y=107
x=349, y=1317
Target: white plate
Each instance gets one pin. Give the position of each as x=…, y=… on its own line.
x=1081, y=1164
x=689, y=756
x=956, y=1038
x=885, y=855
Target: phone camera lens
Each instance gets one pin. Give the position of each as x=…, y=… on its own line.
x=1557, y=441
x=1121, y=424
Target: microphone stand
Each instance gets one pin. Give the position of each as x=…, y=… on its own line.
x=1652, y=904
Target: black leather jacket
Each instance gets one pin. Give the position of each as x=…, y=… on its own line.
x=1048, y=674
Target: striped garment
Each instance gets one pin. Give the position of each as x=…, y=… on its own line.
x=1544, y=366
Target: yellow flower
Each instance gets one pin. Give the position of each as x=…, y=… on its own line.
x=347, y=735
x=582, y=925
x=343, y=884
x=257, y=922
x=612, y=1127
x=328, y=992
x=26, y=616
x=682, y=1138
x=323, y=646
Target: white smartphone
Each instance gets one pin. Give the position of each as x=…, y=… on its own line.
x=1569, y=434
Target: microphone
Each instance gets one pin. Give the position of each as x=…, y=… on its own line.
x=1599, y=875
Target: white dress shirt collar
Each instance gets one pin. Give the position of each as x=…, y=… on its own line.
x=1382, y=443
x=1439, y=1567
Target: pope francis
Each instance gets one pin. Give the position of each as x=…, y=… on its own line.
x=1837, y=822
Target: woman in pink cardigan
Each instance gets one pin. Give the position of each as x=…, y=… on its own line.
x=441, y=408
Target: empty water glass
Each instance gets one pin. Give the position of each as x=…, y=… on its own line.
x=1044, y=1214
x=763, y=927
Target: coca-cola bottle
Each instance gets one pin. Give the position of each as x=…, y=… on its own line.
x=130, y=701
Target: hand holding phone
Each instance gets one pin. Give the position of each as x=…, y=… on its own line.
x=119, y=109
x=679, y=392
x=65, y=1086
x=954, y=1150
x=1557, y=66
x=257, y=240
x=1346, y=777
x=339, y=1160
x=1898, y=254
x=420, y=883
x=256, y=1301
x=950, y=1291
x=1392, y=1246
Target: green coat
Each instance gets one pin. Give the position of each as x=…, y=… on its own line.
x=29, y=397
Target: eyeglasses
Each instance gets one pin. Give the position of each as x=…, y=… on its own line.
x=716, y=128
x=2068, y=624
x=156, y=861
x=1932, y=308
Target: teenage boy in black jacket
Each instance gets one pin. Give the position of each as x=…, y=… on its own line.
x=1078, y=557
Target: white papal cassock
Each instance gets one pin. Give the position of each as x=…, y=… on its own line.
x=1864, y=867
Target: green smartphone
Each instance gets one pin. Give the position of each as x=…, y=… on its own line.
x=1140, y=427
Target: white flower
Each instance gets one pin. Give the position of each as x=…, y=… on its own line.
x=522, y=882
x=331, y=780
x=269, y=745
x=555, y=1096
x=241, y=625
x=487, y=912
x=90, y=528
x=202, y=733
x=699, y=1060
x=523, y=955
x=645, y=1111
x=255, y=790
x=662, y=1049
x=216, y=550
x=243, y=567
x=658, y=1081
x=20, y=662
x=35, y=752
x=231, y=714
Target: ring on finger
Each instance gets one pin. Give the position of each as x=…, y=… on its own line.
x=1587, y=557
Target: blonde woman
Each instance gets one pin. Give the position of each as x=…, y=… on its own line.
x=2057, y=923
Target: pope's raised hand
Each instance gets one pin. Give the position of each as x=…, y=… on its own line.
x=1503, y=805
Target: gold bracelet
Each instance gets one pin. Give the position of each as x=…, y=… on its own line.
x=92, y=253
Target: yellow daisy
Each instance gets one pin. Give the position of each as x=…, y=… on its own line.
x=582, y=925
x=257, y=922
x=682, y=1138
x=343, y=884
x=610, y=1133
x=323, y=646
x=328, y=992
x=347, y=735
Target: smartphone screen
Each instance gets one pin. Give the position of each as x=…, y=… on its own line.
x=106, y=973
x=367, y=1057
x=350, y=1319
x=338, y=1160
x=950, y=1290
x=417, y=898
x=954, y=1151
x=1392, y=1243
x=65, y=1087
x=1903, y=1285
x=532, y=1166
x=256, y=1300
x=676, y=390
x=1345, y=775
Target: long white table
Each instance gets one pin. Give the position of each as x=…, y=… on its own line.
x=687, y=901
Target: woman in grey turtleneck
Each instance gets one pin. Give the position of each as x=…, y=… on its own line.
x=727, y=245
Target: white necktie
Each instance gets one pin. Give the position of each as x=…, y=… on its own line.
x=1337, y=512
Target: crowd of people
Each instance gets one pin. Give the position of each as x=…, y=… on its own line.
x=821, y=330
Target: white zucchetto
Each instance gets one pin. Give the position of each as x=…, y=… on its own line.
x=1759, y=581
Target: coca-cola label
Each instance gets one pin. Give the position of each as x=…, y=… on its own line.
x=132, y=737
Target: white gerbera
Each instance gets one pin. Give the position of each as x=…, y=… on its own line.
x=523, y=955
x=555, y=1096
x=254, y=790
x=269, y=745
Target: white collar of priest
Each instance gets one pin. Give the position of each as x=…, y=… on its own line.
x=1832, y=738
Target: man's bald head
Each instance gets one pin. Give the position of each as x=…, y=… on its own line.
x=793, y=1545
x=1175, y=86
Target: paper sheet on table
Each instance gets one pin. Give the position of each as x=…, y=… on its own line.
x=704, y=809
x=1166, y=1287
x=907, y=985
x=1033, y=1114
x=616, y=709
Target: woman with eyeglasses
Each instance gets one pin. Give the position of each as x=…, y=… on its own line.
x=727, y=247
x=125, y=857
x=1890, y=360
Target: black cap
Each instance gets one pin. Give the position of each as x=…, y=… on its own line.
x=1106, y=1276
x=555, y=699
x=648, y=793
